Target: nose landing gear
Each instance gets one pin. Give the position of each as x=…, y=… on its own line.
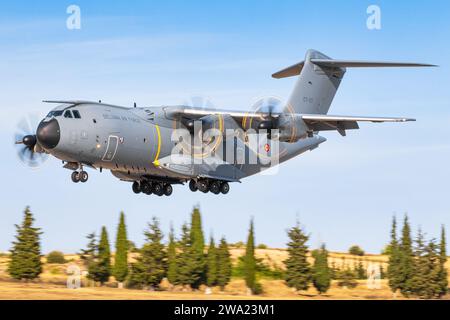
x=81, y=176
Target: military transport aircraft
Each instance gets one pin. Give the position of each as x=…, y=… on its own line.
x=137, y=144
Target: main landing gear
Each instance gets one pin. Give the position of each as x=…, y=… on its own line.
x=81, y=176
x=206, y=185
x=157, y=188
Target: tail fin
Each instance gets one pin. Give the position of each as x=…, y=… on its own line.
x=319, y=80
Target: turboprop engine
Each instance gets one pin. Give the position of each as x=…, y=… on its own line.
x=291, y=128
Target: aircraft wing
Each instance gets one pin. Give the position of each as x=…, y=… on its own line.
x=316, y=122
x=319, y=122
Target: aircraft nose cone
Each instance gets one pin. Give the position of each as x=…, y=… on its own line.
x=48, y=134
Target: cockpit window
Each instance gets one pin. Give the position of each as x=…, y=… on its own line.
x=55, y=113
x=68, y=114
x=76, y=114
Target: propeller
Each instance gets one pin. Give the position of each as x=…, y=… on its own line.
x=272, y=108
x=26, y=144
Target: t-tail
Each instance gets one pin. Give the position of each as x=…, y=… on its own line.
x=319, y=79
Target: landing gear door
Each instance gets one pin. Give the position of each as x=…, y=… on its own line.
x=111, y=149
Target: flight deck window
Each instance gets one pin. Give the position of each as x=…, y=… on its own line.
x=76, y=114
x=68, y=114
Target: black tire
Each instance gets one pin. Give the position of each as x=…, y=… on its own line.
x=75, y=177
x=158, y=189
x=193, y=186
x=136, y=187
x=146, y=188
x=214, y=187
x=168, y=190
x=225, y=188
x=203, y=186
x=84, y=177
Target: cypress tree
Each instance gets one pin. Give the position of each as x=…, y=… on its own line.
x=406, y=261
x=198, y=263
x=172, y=258
x=321, y=273
x=420, y=278
x=121, y=259
x=298, y=271
x=184, y=263
x=361, y=271
x=211, y=276
x=89, y=255
x=25, y=262
x=443, y=280
x=150, y=267
x=250, y=262
x=103, y=271
x=393, y=271
x=223, y=264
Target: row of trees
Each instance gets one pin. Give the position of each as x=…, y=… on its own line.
x=417, y=268
x=183, y=262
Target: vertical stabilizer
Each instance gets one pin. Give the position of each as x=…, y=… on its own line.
x=316, y=86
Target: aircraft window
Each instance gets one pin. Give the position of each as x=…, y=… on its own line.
x=68, y=114
x=76, y=114
x=55, y=113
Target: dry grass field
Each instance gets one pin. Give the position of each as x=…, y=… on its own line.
x=52, y=284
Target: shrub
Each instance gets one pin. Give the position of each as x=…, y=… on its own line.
x=356, y=251
x=56, y=257
x=261, y=246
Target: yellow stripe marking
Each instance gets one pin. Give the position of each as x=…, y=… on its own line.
x=158, y=131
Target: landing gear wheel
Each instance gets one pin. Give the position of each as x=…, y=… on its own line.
x=168, y=190
x=83, y=176
x=203, y=186
x=225, y=188
x=193, y=186
x=146, y=188
x=214, y=187
x=75, y=177
x=158, y=189
x=136, y=187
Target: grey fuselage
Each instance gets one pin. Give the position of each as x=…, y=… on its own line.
x=136, y=143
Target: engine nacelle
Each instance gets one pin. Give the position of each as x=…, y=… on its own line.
x=291, y=128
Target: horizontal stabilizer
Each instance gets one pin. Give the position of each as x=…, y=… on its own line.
x=296, y=69
x=365, y=64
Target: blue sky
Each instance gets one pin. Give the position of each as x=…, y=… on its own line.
x=165, y=52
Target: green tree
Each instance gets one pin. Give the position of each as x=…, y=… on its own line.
x=56, y=257
x=211, y=275
x=298, y=270
x=321, y=273
x=184, y=258
x=250, y=262
x=346, y=278
x=120, y=270
x=406, y=261
x=356, y=251
x=361, y=273
x=25, y=262
x=197, y=239
x=393, y=271
x=443, y=276
x=223, y=264
x=172, y=258
x=89, y=255
x=103, y=270
x=150, y=267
